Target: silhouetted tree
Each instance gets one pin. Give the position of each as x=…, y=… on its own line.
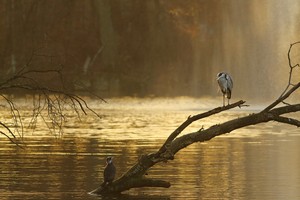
x=52, y=104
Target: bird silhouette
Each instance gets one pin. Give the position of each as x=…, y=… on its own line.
x=109, y=171
x=226, y=84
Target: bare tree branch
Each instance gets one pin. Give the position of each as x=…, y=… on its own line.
x=286, y=92
x=137, y=171
x=15, y=115
x=195, y=118
x=11, y=140
x=53, y=101
x=282, y=98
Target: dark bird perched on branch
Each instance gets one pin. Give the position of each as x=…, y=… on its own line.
x=225, y=84
x=109, y=172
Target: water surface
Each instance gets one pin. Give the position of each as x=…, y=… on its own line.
x=258, y=162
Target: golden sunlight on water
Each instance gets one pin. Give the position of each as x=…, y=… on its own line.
x=258, y=162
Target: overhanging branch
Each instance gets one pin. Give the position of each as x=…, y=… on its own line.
x=54, y=101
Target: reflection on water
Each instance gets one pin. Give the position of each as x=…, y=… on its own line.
x=259, y=162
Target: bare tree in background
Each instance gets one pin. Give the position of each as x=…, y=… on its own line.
x=50, y=103
x=135, y=176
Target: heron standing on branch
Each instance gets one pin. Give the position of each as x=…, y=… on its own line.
x=225, y=84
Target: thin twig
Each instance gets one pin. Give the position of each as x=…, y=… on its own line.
x=286, y=92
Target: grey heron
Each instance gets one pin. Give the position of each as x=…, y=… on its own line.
x=225, y=84
x=109, y=171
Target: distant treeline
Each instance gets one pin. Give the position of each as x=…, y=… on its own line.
x=140, y=48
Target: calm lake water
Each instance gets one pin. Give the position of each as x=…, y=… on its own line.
x=258, y=162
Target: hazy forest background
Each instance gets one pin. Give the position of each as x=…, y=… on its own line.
x=153, y=47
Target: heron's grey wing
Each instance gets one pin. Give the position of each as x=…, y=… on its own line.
x=222, y=84
x=229, y=82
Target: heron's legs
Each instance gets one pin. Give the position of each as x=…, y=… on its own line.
x=228, y=102
x=223, y=100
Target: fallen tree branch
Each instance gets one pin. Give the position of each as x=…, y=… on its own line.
x=134, y=177
x=137, y=172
